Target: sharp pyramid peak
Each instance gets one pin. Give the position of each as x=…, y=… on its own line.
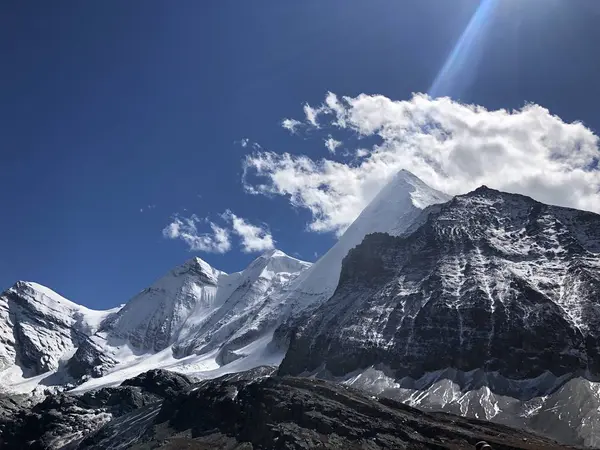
x=406, y=179
x=275, y=260
x=273, y=253
x=403, y=192
x=39, y=290
x=406, y=174
x=35, y=293
x=196, y=266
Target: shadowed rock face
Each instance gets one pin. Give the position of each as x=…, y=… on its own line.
x=492, y=281
x=489, y=308
x=295, y=413
x=248, y=410
x=62, y=420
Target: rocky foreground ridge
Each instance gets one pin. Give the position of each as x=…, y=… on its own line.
x=250, y=410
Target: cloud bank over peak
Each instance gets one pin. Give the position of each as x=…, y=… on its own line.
x=453, y=147
x=217, y=241
x=253, y=238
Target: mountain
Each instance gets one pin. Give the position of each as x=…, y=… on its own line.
x=393, y=210
x=248, y=410
x=196, y=318
x=192, y=319
x=484, y=305
x=489, y=307
x=193, y=311
x=39, y=329
x=197, y=310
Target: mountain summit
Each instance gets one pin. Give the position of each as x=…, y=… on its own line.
x=393, y=210
x=39, y=328
x=192, y=310
x=487, y=308
x=484, y=305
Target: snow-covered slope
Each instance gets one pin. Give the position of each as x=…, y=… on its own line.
x=198, y=319
x=193, y=310
x=234, y=325
x=392, y=211
x=157, y=316
x=395, y=209
x=39, y=329
x=565, y=408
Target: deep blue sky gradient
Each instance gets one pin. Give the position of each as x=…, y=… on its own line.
x=107, y=107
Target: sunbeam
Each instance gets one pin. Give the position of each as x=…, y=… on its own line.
x=455, y=74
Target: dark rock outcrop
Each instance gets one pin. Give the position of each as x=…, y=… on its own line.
x=62, y=420
x=296, y=413
x=491, y=281
x=160, y=382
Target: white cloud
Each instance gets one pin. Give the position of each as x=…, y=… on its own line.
x=185, y=229
x=453, y=147
x=290, y=125
x=311, y=115
x=331, y=144
x=244, y=142
x=253, y=238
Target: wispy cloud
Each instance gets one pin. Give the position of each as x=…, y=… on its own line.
x=311, y=115
x=217, y=241
x=331, y=144
x=452, y=146
x=253, y=238
x=291, y=125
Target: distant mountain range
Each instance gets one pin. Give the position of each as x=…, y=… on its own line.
x=485, y=305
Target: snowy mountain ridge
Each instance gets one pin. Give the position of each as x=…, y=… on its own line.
x=197, y=311
x=191, y=313
x=484, y=305
x=192, y=310
x=39, y=329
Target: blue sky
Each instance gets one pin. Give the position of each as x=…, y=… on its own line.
x=115, y=116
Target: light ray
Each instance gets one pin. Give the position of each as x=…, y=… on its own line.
x=459, y=67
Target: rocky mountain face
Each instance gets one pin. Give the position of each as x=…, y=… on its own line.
x=396, y=208
x=490, y=282
x=484, y=305
x=198, y=310
x=39, y=328
x=251, y=410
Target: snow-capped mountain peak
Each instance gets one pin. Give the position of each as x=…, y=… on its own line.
x=393, y=210
x=39, y=328
x=193, y=309
x=151, y=320
x=198, y=267
x=274, y=262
